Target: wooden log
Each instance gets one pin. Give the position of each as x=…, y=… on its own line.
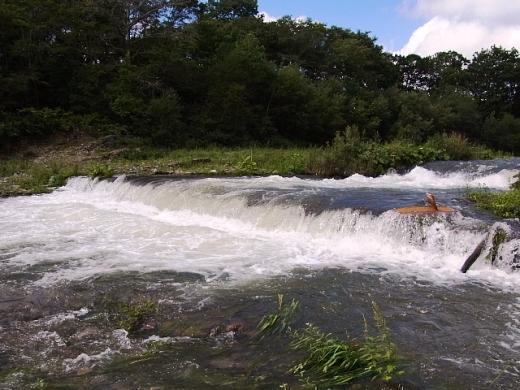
x=473, y=257
x=424, y=210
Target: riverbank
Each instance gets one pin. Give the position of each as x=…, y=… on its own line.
x=502, y=204
x=42, y=168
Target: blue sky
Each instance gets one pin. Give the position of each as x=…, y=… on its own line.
x=424, y=27
x=383, y=18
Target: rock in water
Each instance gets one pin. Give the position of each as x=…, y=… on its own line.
x=501, y=247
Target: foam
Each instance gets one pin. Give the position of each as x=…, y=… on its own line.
x=92, y=227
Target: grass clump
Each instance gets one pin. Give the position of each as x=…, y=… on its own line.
x=133, y=316
x=330, y=361
x=18, y=177
x=101, y=171
x=279, y=322
x=334, y=362
x=503, y=204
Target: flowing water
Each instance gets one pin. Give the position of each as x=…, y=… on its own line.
x=216, y=251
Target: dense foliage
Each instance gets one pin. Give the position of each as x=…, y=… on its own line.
x=187, y=72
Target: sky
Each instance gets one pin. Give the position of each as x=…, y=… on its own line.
x=414, y=26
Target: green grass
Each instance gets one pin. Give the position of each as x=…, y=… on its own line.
x=347, y=154
x=279, y=322
x=333, y=362
x=27, y=177
x=330, y=361
x=503, y=204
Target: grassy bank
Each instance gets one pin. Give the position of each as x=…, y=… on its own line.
x=40, y=171
x=502, y=204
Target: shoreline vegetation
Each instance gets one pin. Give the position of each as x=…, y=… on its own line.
x=504, y=204
x=40, y=169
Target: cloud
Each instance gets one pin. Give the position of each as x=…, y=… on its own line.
x=270, y=18
x=465, y=26
x=495, y=11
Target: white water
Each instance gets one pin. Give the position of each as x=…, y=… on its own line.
x=206, y=226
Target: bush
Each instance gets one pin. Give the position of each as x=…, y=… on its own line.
x=458, y=147
x=349, y=154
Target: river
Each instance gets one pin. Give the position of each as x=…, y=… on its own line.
x=212, y=251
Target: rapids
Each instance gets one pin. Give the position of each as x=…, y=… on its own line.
x=209, y=249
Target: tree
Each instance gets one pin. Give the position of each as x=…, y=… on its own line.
x=494, y=80
x=231, y=9
x=304, y=111
x=502, y=132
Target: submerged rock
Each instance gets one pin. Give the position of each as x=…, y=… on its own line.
x=500, y=248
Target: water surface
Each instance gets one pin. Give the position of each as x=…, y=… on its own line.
x=211, y=251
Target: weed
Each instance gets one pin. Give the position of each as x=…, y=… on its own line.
x=333, y=362
x=133, y=316
x=40, y=384
x=503, y=204
x=279, y=322
x=247, y=165
x=153, y=349
x=101, y=171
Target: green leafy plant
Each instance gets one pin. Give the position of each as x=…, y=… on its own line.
x=279, y=322
x=247, y=165
x=101, y=171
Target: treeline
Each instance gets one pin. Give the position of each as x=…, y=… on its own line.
x=188, y=73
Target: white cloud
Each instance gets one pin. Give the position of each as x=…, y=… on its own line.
x=496, y=11
x=270, y=18
x=465, y=26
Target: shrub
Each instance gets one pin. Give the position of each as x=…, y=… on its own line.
x=101, y=171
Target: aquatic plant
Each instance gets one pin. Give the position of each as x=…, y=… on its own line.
x=39, y=384
x=153, y=349
x=333, y=362
x=133, y=316
x=499, y=237
x=279, y=322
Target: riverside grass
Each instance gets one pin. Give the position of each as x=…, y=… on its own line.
x=329, y=361
x=502, y=204
x=346, y=155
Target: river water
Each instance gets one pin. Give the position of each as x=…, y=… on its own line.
x=214, y=251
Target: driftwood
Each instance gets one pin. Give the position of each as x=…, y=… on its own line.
x=424, y=210
x=473, y=257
